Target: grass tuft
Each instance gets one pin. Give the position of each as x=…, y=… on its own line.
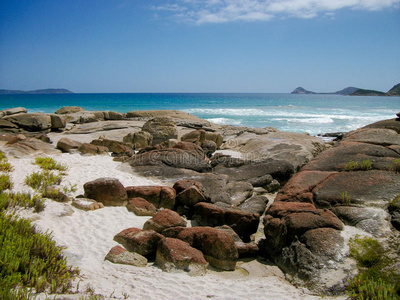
x=41, y=180
x=48, y=164
x=5, y=182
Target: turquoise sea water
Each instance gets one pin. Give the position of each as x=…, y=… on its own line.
x=299, y=113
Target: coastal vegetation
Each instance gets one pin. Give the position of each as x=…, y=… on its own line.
x=30, y=260
x=375, y=280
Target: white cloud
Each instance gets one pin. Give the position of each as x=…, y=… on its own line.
x=222, y=11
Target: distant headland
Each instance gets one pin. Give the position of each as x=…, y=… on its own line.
x=44, y=91
x=352, y=91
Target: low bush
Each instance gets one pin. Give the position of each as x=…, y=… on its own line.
x=40, y=180
x=5, y=182
x=47, y=163
x=30, y=261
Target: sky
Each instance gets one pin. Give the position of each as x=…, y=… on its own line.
x=249, y=46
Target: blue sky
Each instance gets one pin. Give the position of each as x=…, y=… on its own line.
x=199, y=45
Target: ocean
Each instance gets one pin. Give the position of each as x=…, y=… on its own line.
x=314, y=114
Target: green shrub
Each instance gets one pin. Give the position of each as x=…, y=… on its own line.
x=5, y=182
x=346, y=199
x=366, y=165
x=11, y=200
x=351, y=166
x=376, y=279
x=30, y=260
x=40, y=180
x=5, y=166
x=47, y=163
x=396, y=165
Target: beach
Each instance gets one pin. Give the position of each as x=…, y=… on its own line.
x=88, y=236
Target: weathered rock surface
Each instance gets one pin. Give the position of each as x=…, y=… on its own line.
x=68, y=145
x=176, y=255
x=119, y=255
x=31, y=122
x=164, y=219
x=144, y=242
x=139, y=139
x=303, y=236
x=243, y=223
x=31, y=146
x=86, y=204
x=108, y=191
x=218, y=247
x=69, y=110
x=161, y=129
x=159, y=196
x=116, y=147
x=141, y=207
x=87, y=148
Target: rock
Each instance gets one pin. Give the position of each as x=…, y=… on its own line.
x=161, y=129
x=164, y=219
x=273, y=186
x=87, y=148
x=372, y=220
x=43, y=138
x=209, y=147
x=69, y=110
x=108, y=191
x=86, y=204
x=176, y=158
x=176, y=255
x=139, y=139
x=15, y=139
x=190, y=147
x=4, y=124
x=363, y=187
x=57, y=121
x=113, y=146
x=203, y=137
x=14, y=111
x=255, y=205
x=244, y=249
x=393, y=124
x=112, y=115
x=67, y=145
x=144, y=242
x=378, y=136
x=241, y=170
x=55, y=193
x=159, y=196
x=30, y=122
x=218, y=247
x=31, y=146
x=243, y=223
x=239, y=192
x=141, y=207
x=182, y=185
x=119, y=255
x=280, y=209
x=190, y=196
x=260, y=181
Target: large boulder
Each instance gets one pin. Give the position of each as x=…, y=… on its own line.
x=29, y=146
x=108, y=191
x=159, y=196
x=68, y=145
x=164, y=219
x=31, y=122
x=218, y=246
x=57, y=122
x=176, y=255
x=141, y=207
x=139, y=139
x=91, y=149
x=69, y=110
x=239, y=192
x=116, y=147
x=243, y=223
x=13, y=111
x=176, y=158
x=144, y=242
x=119, y=255
x=161, y=129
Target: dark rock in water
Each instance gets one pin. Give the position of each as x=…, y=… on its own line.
x=161, y=129
x=174, y=254
x=144, y=242
x=243, y=223
x=159, y=196
x=218, y=247
x=164, y=219
x=108, y=191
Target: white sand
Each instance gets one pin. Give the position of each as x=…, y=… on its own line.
x=88, y=237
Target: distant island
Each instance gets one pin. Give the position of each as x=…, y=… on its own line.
x=345, y=91
x=44, y=91
x=352, y=91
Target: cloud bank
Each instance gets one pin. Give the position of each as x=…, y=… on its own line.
x=223, y=11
